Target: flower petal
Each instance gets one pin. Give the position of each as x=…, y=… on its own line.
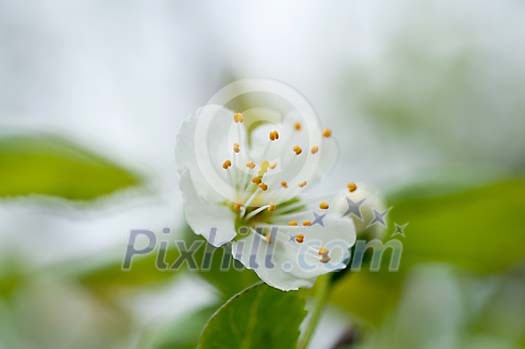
x=329, y=152
x=373, y=201
x=211, y=220
x=286, y=264
x=186, y=159
x=255, y=255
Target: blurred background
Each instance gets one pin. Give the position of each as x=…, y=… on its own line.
x=427, y=99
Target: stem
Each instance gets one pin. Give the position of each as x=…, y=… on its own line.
x=321, y=297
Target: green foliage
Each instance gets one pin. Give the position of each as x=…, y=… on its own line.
x=227, y=279
x=258, y=317
x=221, y=270
x=477, y=230
x=107, y=278
x=47, y=165
x=185, y=332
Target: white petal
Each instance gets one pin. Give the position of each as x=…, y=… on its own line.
x=186, y=159
x=373, y=201
x=329, y=153
x=253, y=253
x=338, y=235
x=204, y=216
x=286, y=264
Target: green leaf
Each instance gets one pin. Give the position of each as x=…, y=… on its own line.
x=258, y=317
x=215, y=265
x=218, y=267
x=108, y=278
x=477, y=229
x=47, y=165
x=183, y=333
x=368, y=296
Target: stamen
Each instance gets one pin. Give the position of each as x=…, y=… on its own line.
x=264, y=168
x=307, y=223
x=272, y=166
x=238, y=118
x=271, y=207
x=263, y=186
x=327, y=133
x=315, y=149
x=325, y=259
x=227, y=164
x=323, y=251
x=299, y=238
x=351, y=187
x=297, y=149
x=303, y=184
x=237, y=206
x=256, y=180
x=249, y=201
x=284, y=184
x=256, y=212
x=251, y=165
x=292, y=223
x=298, y=126
x=324, y=206
x=274, y=135
x=236, y=148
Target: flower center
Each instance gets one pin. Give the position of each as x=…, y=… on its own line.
x=250, y=179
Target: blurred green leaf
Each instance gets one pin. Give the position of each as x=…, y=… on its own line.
x=478, y=230
x=107, y=278
x=368, y=296
x=184, y=333
x=218, y=267
x=48, y=165
x=258, y=317
x=215, y=265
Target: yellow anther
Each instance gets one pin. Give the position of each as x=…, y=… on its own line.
x=292, y=223
x=351, y=187
x=315, y=149
x=251, y=165
x=226, y=164
x=325, y=259
x=236, y=148
x=303, y=184
x=263, y=186
x=271, y=207
x=274, y=135
x=324, y=206
x=307, y=223
x=272, y=166
x=299, y=238
x=298, y=126
x=237, y=206
x=284, y=184
x=323, y=251
x=327, y=133
x=237, y=117
x=268, y=237
x=298, y=150
x=256, y=180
